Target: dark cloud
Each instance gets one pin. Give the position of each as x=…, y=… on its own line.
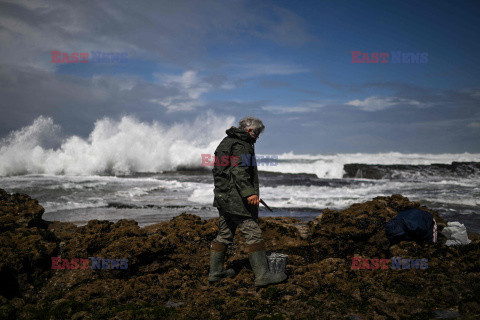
x=77, y=102
x=195, y=50
x=177, y=32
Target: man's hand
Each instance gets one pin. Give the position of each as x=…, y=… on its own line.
x=253, y=200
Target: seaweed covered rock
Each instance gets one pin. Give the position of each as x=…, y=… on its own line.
x=25, y=246
x=361, y=228
x=167, y=271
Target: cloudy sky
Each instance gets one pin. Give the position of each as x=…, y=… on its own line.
x=286, y=62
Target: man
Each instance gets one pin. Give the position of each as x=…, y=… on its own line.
x=237, y=198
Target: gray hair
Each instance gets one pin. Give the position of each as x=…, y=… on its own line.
x=251, y=123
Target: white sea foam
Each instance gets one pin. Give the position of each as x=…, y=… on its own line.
x=53, y=206
x=302, y=196
x=203, y=194
x=331, y=166
x=128, y=145
x=120, y=147
x=340, y=197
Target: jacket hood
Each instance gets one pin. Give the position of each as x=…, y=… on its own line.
x=240, y=134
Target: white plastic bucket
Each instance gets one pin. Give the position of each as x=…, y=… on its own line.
x=277, y=262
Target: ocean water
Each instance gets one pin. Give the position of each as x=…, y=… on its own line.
x=151, y=173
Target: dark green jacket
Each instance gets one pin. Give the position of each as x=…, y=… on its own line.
x=234, y=183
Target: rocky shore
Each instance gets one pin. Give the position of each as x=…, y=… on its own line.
x=396, y=171
x=166, y=276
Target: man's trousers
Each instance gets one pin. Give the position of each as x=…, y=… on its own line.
x=228, y=224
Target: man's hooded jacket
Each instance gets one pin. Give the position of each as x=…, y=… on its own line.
x=235, y=174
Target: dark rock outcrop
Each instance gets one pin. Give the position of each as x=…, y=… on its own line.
x=398, y=171
x=167, y=269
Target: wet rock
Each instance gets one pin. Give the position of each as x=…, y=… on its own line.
x=26, y=245
x=446, y=314
x=168, y=262
x=393, y=171
x=173, y=304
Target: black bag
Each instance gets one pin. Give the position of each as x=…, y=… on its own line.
x=411, y=225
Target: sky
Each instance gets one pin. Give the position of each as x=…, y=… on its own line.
x=288, y=63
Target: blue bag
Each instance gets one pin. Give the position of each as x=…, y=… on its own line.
x=411, y=225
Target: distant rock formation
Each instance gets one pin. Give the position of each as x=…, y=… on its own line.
x=395, y=171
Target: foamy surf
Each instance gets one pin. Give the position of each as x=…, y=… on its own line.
x=332, y=166
x=131, y=169
x=113, y=147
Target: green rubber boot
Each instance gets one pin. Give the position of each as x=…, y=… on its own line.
x=217, y=258
x=259, y=263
